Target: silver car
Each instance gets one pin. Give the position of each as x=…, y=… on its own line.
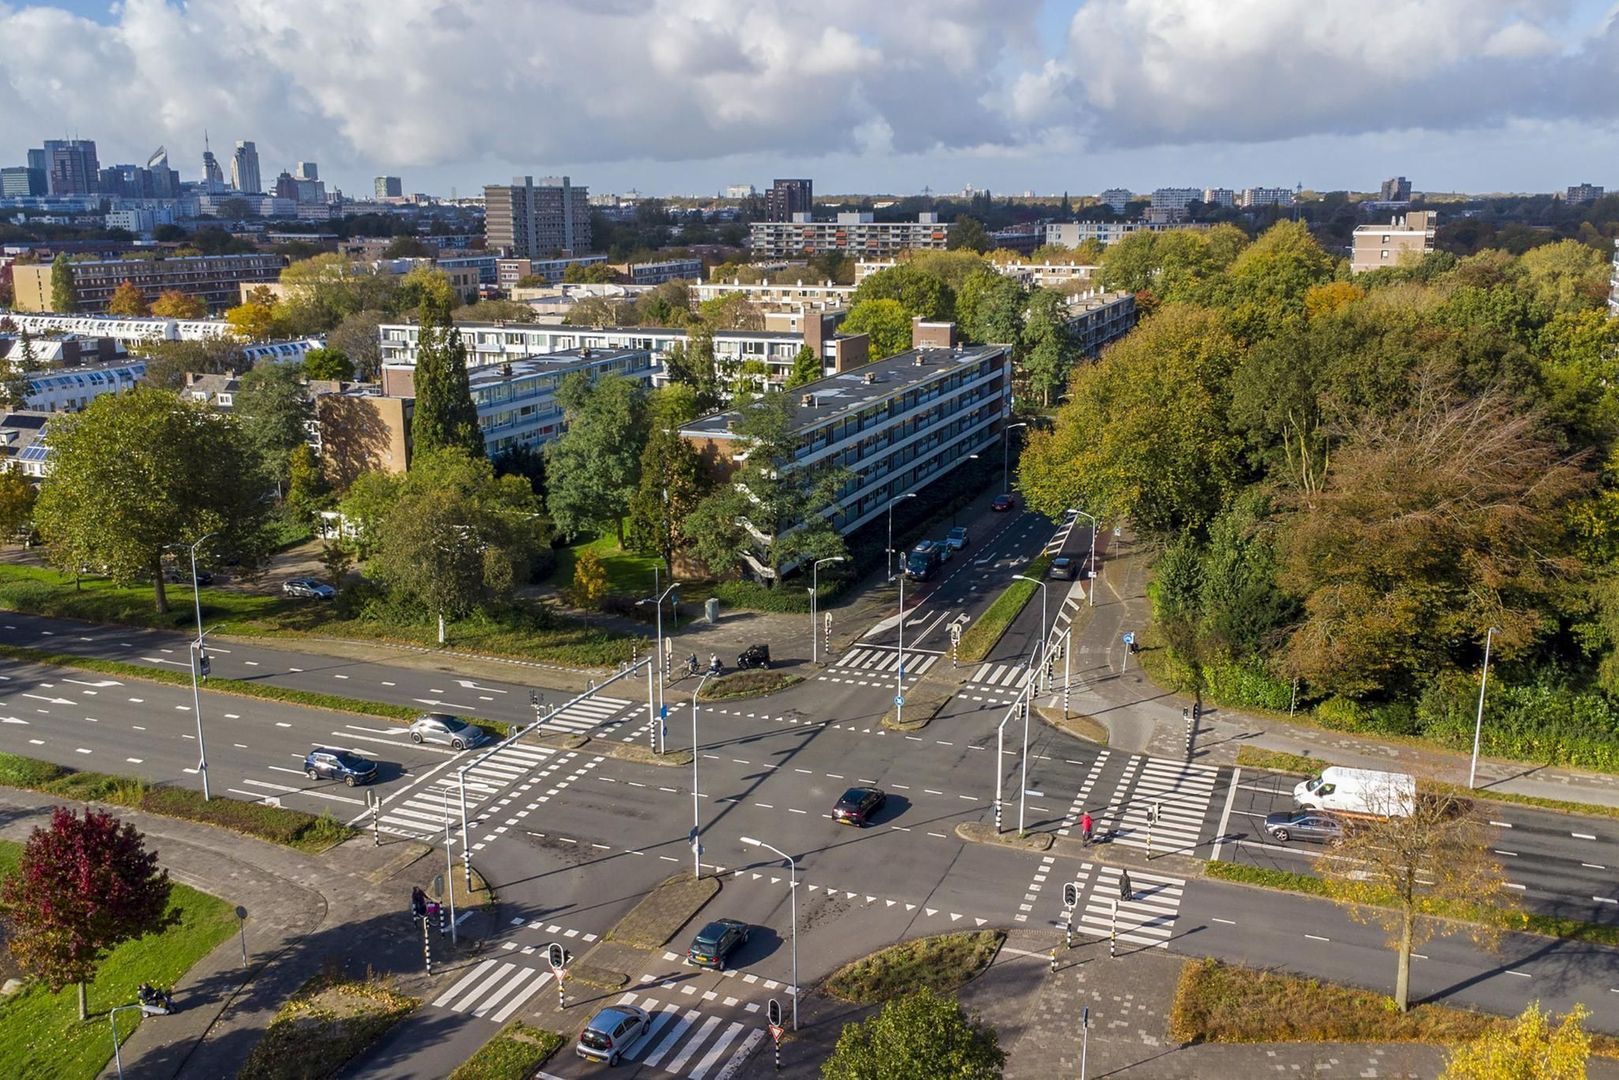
x=308, y=588
x=611, y=1032
x=442, y=728
x=1285, y=825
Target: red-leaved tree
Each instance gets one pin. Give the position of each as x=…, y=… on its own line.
x=82, y=886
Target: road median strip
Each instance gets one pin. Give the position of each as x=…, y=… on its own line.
x=979, y=833
x=942, y=963
x=744, y=684
x=331, y=1020
x=986, y=632
x=513, y=1054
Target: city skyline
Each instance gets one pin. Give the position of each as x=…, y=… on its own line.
x=1013, y=96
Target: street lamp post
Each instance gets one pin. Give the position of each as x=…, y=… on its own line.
x=659, y=646
x=1000, y=767
x=792, y=891
x=1090, y=564
x=696, y=820
x=197, y=658
x=1028, y=689
x=899, y=671
x=815, y=592
x=1006, y=439
x=891, y=502
x=1478, y=728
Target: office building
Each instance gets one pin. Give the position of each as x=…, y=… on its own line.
x=1267, y=196
x=537, y=221
x=69, y=165
x=1583, y=193
x=244, y=169
x=894, y=426
x=858, y=233
x=1395, y=189
x=141, y=220
x=213, y=178
x=389, y=187
x=787, y=198
x=1175, y=198
x=20, y=181
x=215, y=278
x=1405, y=237
x=1117, y=199
x=306, y=170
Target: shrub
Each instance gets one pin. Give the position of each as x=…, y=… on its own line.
x=1246, y=683
x=1341, y=714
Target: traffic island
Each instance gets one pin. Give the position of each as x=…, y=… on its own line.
x=332, y=1019
x=1078, y=725
x=640, y=755
x=746, y=684
x=978, y=832
x=922, y=704
x=515, y=1052
x=942, y=963
x=665, y=910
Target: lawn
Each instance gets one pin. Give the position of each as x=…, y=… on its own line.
x=628, y=574
x=940, y=963
x=331, y=1020
x=513, y=1054
x=40, y=1032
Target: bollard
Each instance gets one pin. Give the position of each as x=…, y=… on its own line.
x=376, y=823
x=562, y=1000
x=427, y=947
x=1113, y=932
x=1054, y=959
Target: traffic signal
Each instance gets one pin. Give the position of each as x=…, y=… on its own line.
x=1070, y=894
x=773, y=1013
x=204, y=664
x=557, y=956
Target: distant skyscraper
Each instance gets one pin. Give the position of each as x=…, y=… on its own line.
x=244, y=168
x=70, y=165
x=533, y=221
x=788, y=197
x=285, y=186
x=21, y=180
x=389, y=187
x=306, y=170
x=1117, y=199
x=1583, y=193
x=1395, y=189
x=213, y=177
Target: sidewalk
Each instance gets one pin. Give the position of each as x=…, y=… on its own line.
x=1142, y=717
x=348, y=907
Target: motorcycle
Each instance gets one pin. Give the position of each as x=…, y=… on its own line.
x=754, y=656
x=714, y=667
x=154, y=1002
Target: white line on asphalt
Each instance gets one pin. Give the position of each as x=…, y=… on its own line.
x=1498, y=851
x=133, y=760
x=385, y=682
x=1520, y=974
x=82, y=750
x=1592, y=866
x=1582, y=836
x=1512, y=885
x=1502, y=824
x=282, y=723
x=1228, y=922
x=1317, y=937
x=1605, y=900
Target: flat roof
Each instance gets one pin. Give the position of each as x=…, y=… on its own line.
x=774, y=335
x=849, y=392
x=544, y=363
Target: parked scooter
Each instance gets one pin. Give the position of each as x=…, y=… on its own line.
x=154, y=1002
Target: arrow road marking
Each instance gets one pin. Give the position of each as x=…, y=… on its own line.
x=471, y=685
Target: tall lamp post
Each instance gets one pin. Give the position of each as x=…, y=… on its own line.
x=899, y=671
x=198, y=658
x=658, y=659
x=792, y=891
x=1090, y=564
x=1023, y=793
x=1006, y=438
x=1478, y=728
x=815, y=592
x=696, y=821
x=891, y=502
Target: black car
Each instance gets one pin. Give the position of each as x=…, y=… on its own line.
x=754, y=656
x=858, y=804
x=1304, y=825
x=1002, y=503
x=324, y=764
x=174, y=575
x=716, y=941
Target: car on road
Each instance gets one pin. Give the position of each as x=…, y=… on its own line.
x=308, y=588
x=1285, y=825
x=946, y=552
x=858, y=805
x=716, y=941
x=956, y=538
x=1063, y=568
x=441, y=728
x=612, y=1031
x=923, y=561
x=753, y=656
x=323, y=763
x=1003, y=503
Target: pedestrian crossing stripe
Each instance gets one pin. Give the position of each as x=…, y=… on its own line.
x=1181, y=791
x=1001, y=675
x=513, y=984
x=589, y=714
x=1147, y=918
x=420, y=813
x=887, y=661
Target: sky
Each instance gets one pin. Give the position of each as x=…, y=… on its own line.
x=870, y=96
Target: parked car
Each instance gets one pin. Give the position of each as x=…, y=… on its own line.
x=1286, y=825
x=957, y=538
x=946, y=552
x=175, y=575
x=612, y=1031
x=754, y=656
x=322, y=763
x=440, y=728
x=716, y=941
x=858, y=804
x=308, y=587
x=1063, y=568
x=1002, y=503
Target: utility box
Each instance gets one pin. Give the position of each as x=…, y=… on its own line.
x=711, y=610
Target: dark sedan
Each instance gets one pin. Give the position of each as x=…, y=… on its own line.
x=858, y=805
x=1002, y=503
x=1313, y=825
x=352, y=769
x=715, y=942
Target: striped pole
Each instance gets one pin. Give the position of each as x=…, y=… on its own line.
x=427, y=947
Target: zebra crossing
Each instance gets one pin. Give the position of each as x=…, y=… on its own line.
x=494, y=990
x=1147, y=917
x=596, y=715
x=421, y=812
x=1181, y=792
x=884, y=660
x=993, y=676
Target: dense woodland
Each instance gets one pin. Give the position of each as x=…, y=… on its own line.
x=1348, y=482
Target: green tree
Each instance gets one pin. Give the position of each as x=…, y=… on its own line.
x=989, y=309
x=1051, y=350
x=919, y=292
x=336, y=559
x=306, y=483
x=274, y=410
x=594, y=466
x=967, y=234
x=168, y=361
x=691, y=363
x=445, y=415
x=1280, y=267
x=174, y=304
x=407, y=247
x=137, y=472
x=589, y=586
x=1567, y=275
x=81, y=887
x=327, y=363
x=64, y=293
x=885, y=321
x=255, y=317
x=17, y=497
x=357, y=338
x=807, y=367
x=127, y=299
x=922, y=1035
x=589, y=274
x=1530, y=1048
x=672, y=481
x=21, y=363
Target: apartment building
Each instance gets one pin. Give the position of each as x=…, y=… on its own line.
x=388, y=187
x=1116, y=198
x=509, y=271
x=787, y=198
x=894, y=426
x=1175, y=198
x=1099, y=319
x=795, y=298
x=537, y=220
x=69, y=389
x=1075, y=233
x=1395, y=189
x=858, y=233
x=1219, y=196
x=215, y=278
x=1580, y=194
x=656, y=273
x=122, y=328
x=1267, y=196
x=1377, y=246
x=1040, y=274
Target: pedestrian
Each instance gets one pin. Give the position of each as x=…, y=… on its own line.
x=1127, y=891
x=418, y=902
x=1085, y=826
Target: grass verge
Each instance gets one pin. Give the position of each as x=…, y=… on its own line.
x=290, y=828
x=513, y=1054
x=329, y=1021
x=665, y=910
x=981, y=636
x=747, y=684
x=628, y=574
x=40, y=1032
x=1305, y=765
x=1217, y=1002
x=1076, y=724
x=940, y=963
x=922, y=704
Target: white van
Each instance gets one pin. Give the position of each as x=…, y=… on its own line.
x=1358, y=791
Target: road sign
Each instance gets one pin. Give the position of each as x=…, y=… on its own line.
x=773, y=1016
x=663, y=712
x=1129, y=637
x=776, y=1031
x=1070, y=894
x=204, y=664
x=899, y=699
x=955, y=633
x=668, y=646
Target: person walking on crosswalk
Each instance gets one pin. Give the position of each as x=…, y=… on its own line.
x=1127, y=891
